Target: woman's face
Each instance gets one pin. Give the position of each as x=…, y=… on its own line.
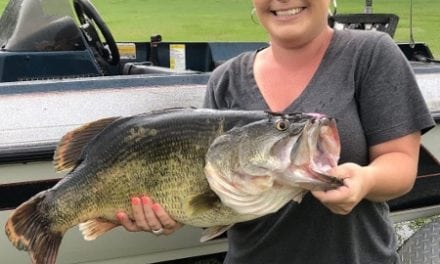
x=293, y=22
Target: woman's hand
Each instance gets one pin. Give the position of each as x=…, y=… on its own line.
x=148, y=216
x=390, y=174
x=345, y=198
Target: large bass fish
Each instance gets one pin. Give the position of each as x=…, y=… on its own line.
x=207, y=168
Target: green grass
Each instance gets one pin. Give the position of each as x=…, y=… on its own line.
x=229, y=20
x=426, y=19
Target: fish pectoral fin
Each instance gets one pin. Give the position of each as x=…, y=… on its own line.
x=202, y=202
x=71, y=145
x=213, y=232
x=93, y=228
x=298, y=196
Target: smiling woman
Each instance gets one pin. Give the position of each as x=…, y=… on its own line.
x=305, y=68
x=276, y=15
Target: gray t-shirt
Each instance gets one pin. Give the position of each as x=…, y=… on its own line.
x=366, y=83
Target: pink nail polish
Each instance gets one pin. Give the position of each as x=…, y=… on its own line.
x=155, y=207
x=145, y=200
x=120, y=216
x=135, y=201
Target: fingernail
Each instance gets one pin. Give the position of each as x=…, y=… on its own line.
x=155, y=207
x=120, y=216
x=135, y=201
x=145, y=200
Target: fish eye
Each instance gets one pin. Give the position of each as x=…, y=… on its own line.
x=282, y=124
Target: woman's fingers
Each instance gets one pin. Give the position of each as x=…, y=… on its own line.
x=139, y=214
x=126, y=222
x=148, y=216
x=169, y=225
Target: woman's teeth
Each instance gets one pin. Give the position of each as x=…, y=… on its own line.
x=290, y=12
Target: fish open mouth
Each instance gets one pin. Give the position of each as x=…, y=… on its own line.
x=313, y=155
x=324, y=146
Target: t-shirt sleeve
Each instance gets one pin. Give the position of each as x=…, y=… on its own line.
x=390, y=102
x=209, y=99
x=217, y=86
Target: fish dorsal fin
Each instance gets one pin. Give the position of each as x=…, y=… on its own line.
x=171, y=110
x=93, y=228
x=70, y=147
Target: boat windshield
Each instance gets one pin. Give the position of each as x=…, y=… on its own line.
x=39, y=25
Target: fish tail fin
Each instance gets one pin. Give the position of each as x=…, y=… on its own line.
x=29, y=229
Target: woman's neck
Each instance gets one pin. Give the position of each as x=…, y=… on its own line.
x=289, y=56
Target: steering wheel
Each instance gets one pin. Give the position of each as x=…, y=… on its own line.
x=89, y=19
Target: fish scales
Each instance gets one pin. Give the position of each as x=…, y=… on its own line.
x=207, y=168
x=135, y=170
